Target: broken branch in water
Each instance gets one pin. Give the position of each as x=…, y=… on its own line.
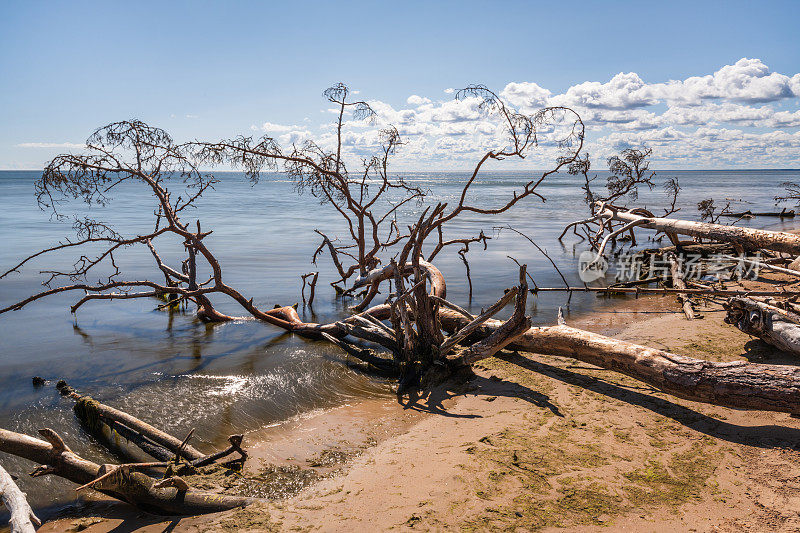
x=669, y=290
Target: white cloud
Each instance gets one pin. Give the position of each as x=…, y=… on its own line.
x=747, y=80
x=739, y=115
x=525, y=94
x=416, y=100
x=270, y=127
x=51, y=145
x=623, y=91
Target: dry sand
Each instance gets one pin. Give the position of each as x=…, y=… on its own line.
x=531, y=443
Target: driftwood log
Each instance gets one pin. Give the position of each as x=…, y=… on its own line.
x=22, y=518
x=773, y=325
x=677, y=282
x=736, y=384
x=152, y=440
x=747, y=238
x=129, y=486
x=669, y=290
x=102, y=421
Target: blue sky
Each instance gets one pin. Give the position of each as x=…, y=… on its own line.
x=212, y=69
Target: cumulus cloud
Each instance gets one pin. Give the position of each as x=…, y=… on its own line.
x=417, y=100
x=748, y=80
x=741, y=114
x=51, y=145
x=270, y=127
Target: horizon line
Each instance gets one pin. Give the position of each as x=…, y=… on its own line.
x=488, y=171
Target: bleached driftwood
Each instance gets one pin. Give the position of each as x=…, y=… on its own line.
x=127, y=485
x=773, y=325
x=22, y=519
x=679, y=283
x=747, y=238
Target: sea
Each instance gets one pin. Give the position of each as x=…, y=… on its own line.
x=178, y=373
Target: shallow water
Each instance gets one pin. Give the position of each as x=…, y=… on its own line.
x=174, y=371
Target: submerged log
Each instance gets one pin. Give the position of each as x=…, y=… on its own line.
x=748, y=238
x=90, y=411
x=131, y=487
x=746, y=214
x=773, y=325
x=22, y=518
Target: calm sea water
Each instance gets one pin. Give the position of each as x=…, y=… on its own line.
x=172, y=370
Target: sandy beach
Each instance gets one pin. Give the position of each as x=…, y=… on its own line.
x=530, y=442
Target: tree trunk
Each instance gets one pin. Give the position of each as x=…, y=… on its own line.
x=90, y=411
x=773, y=325
x=22, y=517
x=748, y=238
x=736, y=384
x=678, y=283
x=132, y=487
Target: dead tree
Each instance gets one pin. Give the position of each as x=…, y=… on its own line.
x=628, y=172
x=125, y=483
x=22, y=518
x=777, y=326
x=369, y=197
x=134, y=152
x=417, y=331
x=747, y=238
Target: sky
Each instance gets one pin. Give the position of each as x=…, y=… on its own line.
x=706, y=84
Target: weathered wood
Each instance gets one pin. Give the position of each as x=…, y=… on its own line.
x=86, y=408
x=748, y=238
x=22, y=518
x=743, y=214
x=678, y=283
x=773, y=325
x=143, y=443
x=736, y=384
x=503, y=335
x=668, y=290
x=473, y=324
x=131, y=487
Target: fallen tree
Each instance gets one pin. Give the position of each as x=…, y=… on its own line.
x=735, y=384
x=747, y=238
x=417, y=335
x=774, y=325
x=22, y=518
x=136, y=488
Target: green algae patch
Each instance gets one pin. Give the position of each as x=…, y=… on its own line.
x=251, y=518
x=271, y=482
x=682, y=477
x=86, y=409
x=581, y=465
